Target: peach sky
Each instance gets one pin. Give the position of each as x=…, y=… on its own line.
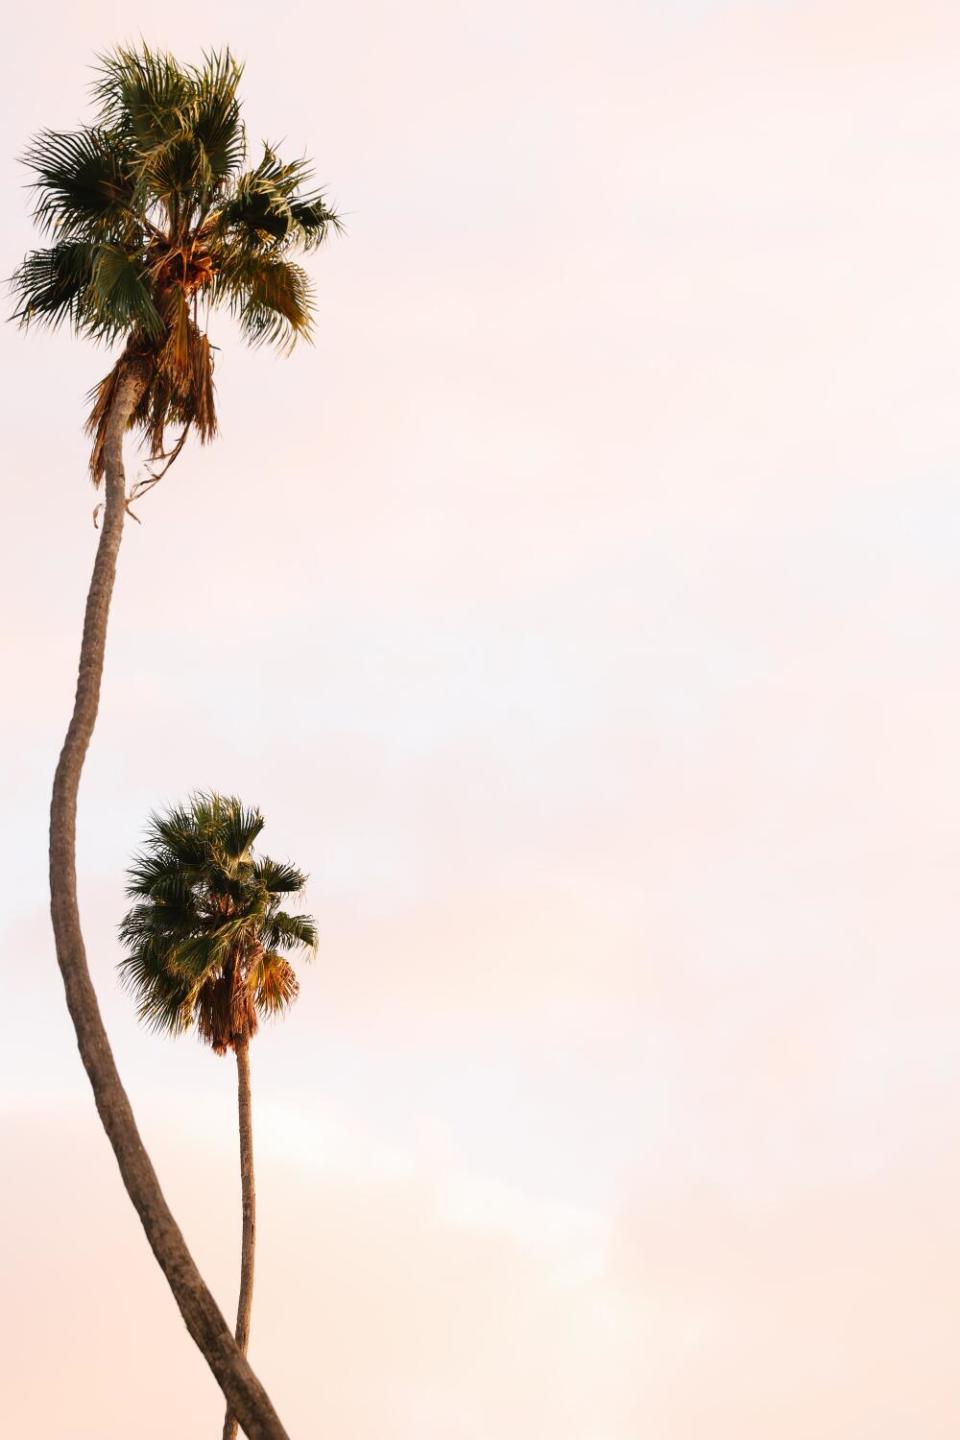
x=582, y=613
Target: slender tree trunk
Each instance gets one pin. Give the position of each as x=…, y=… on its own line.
x=248, y=1191
x=244, y=1393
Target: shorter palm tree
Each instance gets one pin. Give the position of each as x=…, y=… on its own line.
x=208, y=946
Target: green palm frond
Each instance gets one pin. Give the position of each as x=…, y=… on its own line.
x=195, y=959
x=142, y=95
x=179, y=837
x=163, y=999
x=160, y=920
x=279, y=877
x=270, y=209
x=240, y=826
x=83, y=186
x=313, y=221
x=53, y=286
x=291, y=932
x=119, y=295
x=272, y=298
x=157, y=874
x=214, y=119
x=204, y=933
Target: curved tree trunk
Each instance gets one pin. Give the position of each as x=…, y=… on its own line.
x=249, y=1200
x=244, y=1393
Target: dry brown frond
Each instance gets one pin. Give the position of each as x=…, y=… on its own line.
x=102, y=398
x=205, y=414
x=225, y=1010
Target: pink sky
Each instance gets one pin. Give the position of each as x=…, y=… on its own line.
x=581, y=611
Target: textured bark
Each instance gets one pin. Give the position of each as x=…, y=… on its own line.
x=248, y=1191
x=203, y=1319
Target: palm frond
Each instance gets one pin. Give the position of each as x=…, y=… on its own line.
x=214, y=118
x=51, y=285
x=83, y=185
x=239, y=827
x=272, y=298
x=119, y=295
x=182, y=398
x=291, y=932
x=161, y=921
x=270, y=210
x=141, y=95
x=274, y=983
x=314, y=220
x=178, y=837
x=197, y=958
x=163, y=1000
x=259, y=211
x=279, y=877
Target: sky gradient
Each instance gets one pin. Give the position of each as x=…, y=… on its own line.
x=581, y=612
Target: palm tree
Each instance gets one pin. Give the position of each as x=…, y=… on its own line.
x=154, y=219
x=207, y=945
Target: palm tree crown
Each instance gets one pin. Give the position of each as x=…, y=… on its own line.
x=207, y=941
x=154, y=217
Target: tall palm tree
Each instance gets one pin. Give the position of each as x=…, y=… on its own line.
x=154, y=219
x=207, y=947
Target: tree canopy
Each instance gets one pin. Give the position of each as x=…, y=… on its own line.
x=208, y=942
x=155, y=216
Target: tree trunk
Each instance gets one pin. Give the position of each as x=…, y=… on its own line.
x=248, y=1191
x=243, y=1391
